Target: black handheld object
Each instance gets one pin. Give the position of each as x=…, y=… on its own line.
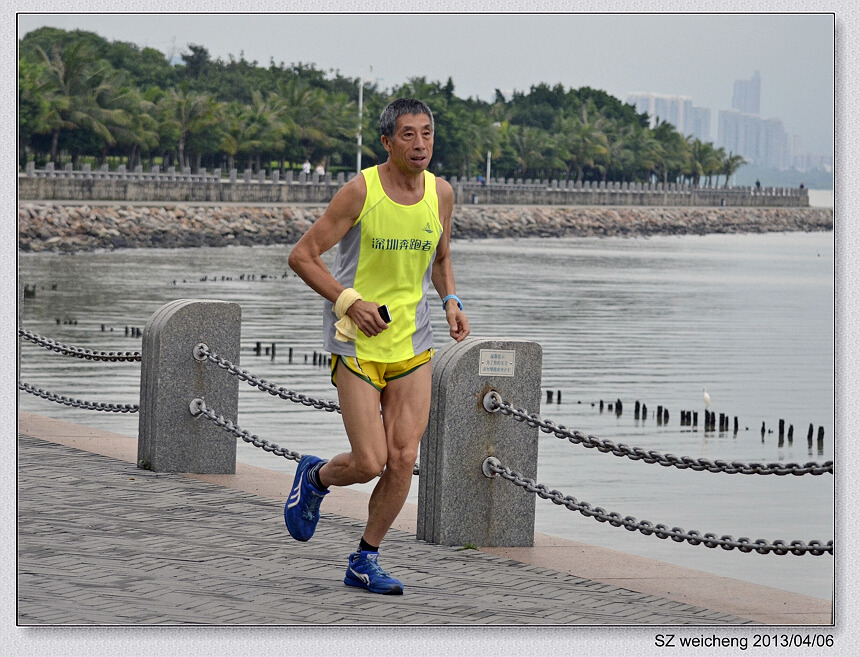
x=385, y=314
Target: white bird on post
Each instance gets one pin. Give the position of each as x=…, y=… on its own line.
x=707, y=398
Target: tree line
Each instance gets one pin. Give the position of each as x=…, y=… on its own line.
x=83, y=98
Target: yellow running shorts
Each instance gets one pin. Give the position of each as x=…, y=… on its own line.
x=379, y=374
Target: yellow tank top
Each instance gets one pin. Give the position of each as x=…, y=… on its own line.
x=387, y=256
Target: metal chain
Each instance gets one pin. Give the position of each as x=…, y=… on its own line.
x=198, y=408
x=202, y=352
x=201, y=409
x=77, y=403
x=78, y=352
x=493, y=402
x=799, y=548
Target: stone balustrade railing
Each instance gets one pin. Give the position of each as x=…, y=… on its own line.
x=88, y=184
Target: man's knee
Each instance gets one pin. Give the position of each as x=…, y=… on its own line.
x=402, y=460
x=367, y=467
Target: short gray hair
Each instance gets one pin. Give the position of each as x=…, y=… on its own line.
x=399, y=107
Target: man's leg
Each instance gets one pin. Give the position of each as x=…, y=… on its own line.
x=405, y=411
x=359, y=405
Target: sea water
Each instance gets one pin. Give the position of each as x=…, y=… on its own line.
x=656, y=320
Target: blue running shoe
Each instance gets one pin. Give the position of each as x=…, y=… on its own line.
x=366, y=573
x=302, y=509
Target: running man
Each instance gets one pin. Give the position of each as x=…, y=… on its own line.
x=392, y=225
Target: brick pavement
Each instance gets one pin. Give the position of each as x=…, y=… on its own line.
x=101, y=542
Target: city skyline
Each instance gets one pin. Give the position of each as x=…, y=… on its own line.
x=695, y=55
x=741, y=130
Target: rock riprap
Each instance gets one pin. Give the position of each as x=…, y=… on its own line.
x=68, y=228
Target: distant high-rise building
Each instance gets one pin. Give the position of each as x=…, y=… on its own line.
x=677, y=110
x=730, y=134
x=747, y=95
x=700, y=124
x=775, y=145
x=762, y=142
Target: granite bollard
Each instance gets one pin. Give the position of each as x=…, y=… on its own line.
x=170, y=438
x=457, y=502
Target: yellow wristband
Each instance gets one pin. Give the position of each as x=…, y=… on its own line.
x=345, y=300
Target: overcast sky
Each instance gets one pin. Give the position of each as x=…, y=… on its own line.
x=698, y=55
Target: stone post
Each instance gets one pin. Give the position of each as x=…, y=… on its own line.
x=457, y=502
x=170, y=438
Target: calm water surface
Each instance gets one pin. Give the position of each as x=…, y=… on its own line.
x=749, y=317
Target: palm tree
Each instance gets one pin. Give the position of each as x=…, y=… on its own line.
x=705, y=160
x=264, y=127
x=339, y=125
x=139, y=131
x=582, y=140
x=34, y=105
x=234, y=131
x=730, y=165
x=645, y=150
x=618, y=157
x=303, y=118
x=532, y=148
x=188, y=114
x=674, y=155
x=75, y=82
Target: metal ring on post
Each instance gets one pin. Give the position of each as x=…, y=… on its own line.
x=196, y=407
x=490, y=462
x=200, y=350
x=492, y=401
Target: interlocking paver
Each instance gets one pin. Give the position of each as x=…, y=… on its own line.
x=101, y=542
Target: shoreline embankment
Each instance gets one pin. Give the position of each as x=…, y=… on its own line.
x=65, y=228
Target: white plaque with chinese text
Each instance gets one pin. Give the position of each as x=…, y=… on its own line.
x=496, y=362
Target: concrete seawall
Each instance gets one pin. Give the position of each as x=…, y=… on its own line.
x=45, y=226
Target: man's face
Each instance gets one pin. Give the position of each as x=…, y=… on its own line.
x=411, y=147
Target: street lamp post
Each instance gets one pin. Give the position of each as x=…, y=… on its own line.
x=360, y=106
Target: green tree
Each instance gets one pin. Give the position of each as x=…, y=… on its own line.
x=674, y=155
x=187, y=115
x=75, y=83
x=533, y=149
x=582, y=140
x=731, y=164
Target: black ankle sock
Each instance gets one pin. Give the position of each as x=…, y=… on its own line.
x=364, y=546
x=314, y=478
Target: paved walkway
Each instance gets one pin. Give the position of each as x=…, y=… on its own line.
x=103, y=542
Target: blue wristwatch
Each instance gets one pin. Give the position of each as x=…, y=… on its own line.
x=452, y=296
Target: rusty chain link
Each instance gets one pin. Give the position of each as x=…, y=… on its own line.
x=493, y=402
x=78, y=352
x=77, y=403
x=678, y=535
